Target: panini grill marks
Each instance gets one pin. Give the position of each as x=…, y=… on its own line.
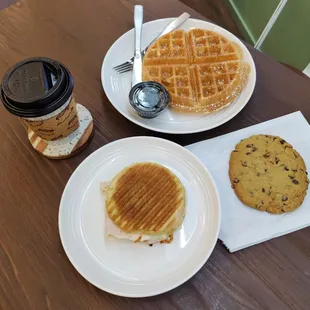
x=137, y=209
x=128, y=177
x=166, y=218
x=131, y=192
x=111, y=200
x=165, y=207
x=142, y=211
x=145, y=219
x=129, y=211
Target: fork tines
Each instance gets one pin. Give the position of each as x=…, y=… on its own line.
x=124, y=67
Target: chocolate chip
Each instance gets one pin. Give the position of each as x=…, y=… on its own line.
x=306, y=173
x=294, y=170
x=291, y=176
x=282, y=141
x=266, y=155
x=254, y=149
x=276, y=160
x=236, y=180
x=248, y=153
x=284, y=198
x=235, y=151
x=258, y=174
x=266, y=170
x=249, y=145
x=286, y=168
x=263, y=190
x=282, y=210
x=295, y=181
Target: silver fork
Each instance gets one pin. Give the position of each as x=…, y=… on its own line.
x=127, y=65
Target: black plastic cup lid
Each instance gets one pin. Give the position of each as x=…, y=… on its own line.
x=36, y=87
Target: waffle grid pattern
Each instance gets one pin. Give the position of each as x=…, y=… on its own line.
x=201, y=69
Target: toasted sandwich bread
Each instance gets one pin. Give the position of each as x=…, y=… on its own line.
x=146, y=202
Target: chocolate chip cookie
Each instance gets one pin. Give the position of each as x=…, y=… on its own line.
x=267, y=174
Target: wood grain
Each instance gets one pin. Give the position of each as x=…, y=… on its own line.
x=34, y=270
x=5, y=3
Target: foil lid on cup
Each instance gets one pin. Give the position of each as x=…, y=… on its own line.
x=149, y=99
x=36, y=87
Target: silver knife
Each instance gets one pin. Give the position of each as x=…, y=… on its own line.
x=137, y=61
x=127, y=66
x=173, y=25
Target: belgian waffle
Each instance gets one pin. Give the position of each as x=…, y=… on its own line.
x=202, y=70
x=208, y=46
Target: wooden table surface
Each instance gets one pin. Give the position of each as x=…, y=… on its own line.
x=34, y=270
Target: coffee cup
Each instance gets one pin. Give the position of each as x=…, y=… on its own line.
x=40, y=91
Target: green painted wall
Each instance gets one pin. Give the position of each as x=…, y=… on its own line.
x=288, y=40
x=252, y=16
x=255, y=13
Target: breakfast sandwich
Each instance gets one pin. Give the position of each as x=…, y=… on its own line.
x=145, y=202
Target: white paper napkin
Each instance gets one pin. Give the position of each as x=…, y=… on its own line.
x=242, y=226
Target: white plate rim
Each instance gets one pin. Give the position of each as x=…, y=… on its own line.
x=184, y=279
x=184, y=131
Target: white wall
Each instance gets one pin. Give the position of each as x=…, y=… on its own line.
x=307, y=70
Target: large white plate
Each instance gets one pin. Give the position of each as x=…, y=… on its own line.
x=122, y=267
x=117, y=86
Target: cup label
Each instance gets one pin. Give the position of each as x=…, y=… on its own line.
x=59, y=125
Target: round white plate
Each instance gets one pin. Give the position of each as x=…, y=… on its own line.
x=117, y=86
x=122, y=267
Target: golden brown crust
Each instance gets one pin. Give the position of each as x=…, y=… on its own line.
x=146, y=198
x=201, y=69
x=267, y=174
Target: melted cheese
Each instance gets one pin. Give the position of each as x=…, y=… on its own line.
x=114, y=231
